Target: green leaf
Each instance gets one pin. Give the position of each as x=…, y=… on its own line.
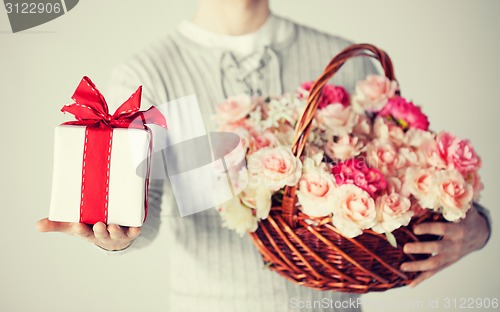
x=391, y=239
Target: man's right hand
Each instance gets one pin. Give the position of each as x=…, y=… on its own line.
x=112, y=237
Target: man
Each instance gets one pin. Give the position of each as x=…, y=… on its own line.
x=229, y=47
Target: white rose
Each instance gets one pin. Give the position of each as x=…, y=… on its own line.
x=259, y=198
x=373, y=92
x=274, y=167
x=343, y=147
x=354, y=210
x=316, y=192
x=235, y=216
x=421, y=183
x=337, y=119
x=393, y=211
x=388, y=131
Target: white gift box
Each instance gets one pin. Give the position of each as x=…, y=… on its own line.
x=127, y=190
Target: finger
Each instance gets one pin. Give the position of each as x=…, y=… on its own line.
x=436, y=228
x=45, y=225
x=133, y=232
x=422, y=277
x=100, y=231
x=116, y=232
x=433, y=248
x=83, y=231
x=431, y=263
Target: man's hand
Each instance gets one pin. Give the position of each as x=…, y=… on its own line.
x=459, y=239
x=112, y=237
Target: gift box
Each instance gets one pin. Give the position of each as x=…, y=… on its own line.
x=95, y=160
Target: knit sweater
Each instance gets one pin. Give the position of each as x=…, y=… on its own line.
x=212, y=268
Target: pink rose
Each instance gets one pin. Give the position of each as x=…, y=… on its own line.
x=260, y=140
x=315, y=193
x=354, y=210
x=453, y=193
x=329, y=95
x=355, y=171
x=235, y=108
x=393, y=211
x=421, y=184
x=373, y=92
x=274, y=167
x=404, y=113
x=337, y=119
x=385, y=157
x=343, y=147
x=456, y=153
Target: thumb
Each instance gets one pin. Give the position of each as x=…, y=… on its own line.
x=45, y=225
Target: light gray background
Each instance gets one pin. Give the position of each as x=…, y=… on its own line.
x=445, y=54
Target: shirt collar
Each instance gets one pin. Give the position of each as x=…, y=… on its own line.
x=275, y=30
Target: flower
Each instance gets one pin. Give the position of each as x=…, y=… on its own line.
x=420, y=183
x=373, y=92
x=354, y=210
x=363, y=127
x=343, y=147
x=394, y=185
x=410, y=156
x=279, y=111
x=416, y=137
x=385, y=157
x=337, y=119
x=330, y=94
x=404, y=113
x=285, y=134
x=384, y=165
x=236, y=216
x=393, y=211
x=456, y=153
x=315, y=193
x=235, y=108
x=259, y=198
x=474, y=179
x=387, y=130
x=453, y=193
x=260, y=140
x=355, y=171
x=274, y=167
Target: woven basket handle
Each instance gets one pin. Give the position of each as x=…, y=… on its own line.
x=303, y=127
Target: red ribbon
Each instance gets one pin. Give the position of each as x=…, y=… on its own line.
x=91, y=110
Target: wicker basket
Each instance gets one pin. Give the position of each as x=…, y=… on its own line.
x=311, y=251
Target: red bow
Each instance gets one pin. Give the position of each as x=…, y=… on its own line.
x=90, y=108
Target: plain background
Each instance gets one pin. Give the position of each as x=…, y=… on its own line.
x=445, y=54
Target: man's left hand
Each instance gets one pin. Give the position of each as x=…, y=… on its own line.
x=458, y=240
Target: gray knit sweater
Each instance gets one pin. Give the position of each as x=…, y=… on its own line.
x=210, y=267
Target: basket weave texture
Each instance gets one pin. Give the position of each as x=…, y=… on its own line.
x=311, y=251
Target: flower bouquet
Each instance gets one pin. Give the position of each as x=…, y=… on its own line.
x=334, y=181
